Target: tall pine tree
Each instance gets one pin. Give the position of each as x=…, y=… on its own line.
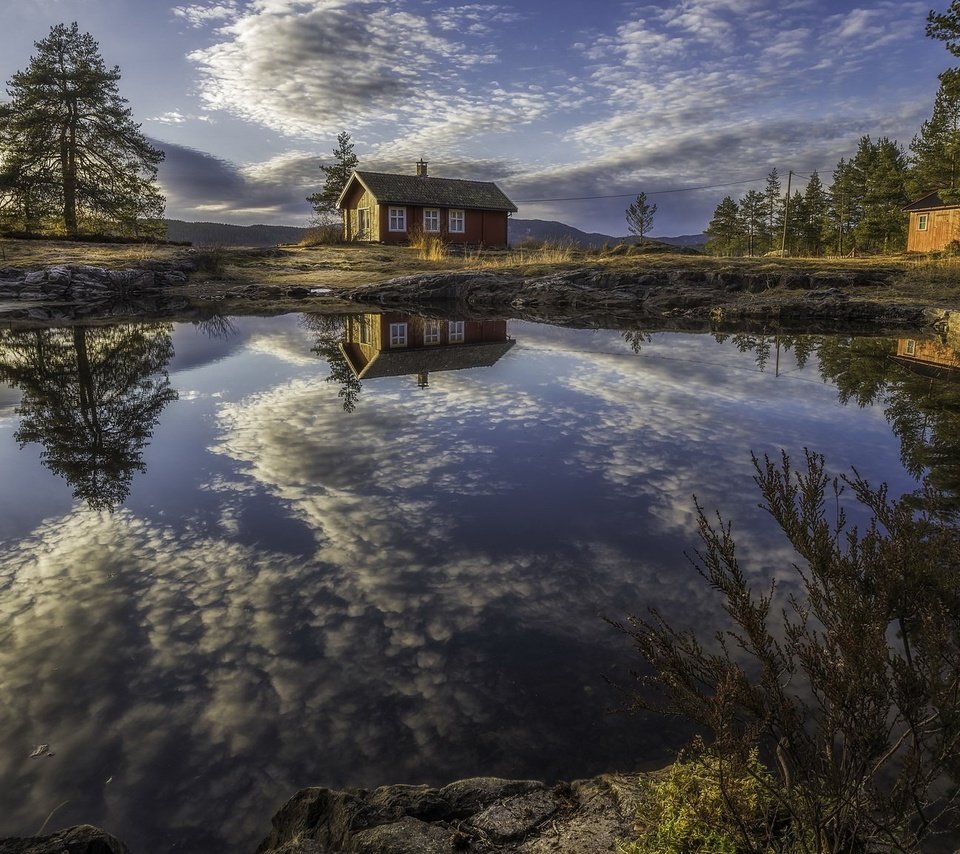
x=336, y=176
x=724, y=229
x=70, y=153
x=935, y=151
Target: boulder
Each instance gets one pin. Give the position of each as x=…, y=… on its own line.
x=476, y=816
x=82, y=839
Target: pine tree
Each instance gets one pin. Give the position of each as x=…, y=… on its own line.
x=946, y=27
x=935, y=151
x=724, y=229
x=753, y=221
x=774, y=207
x=337, y=174
x=813, y=225
x=640, y=216
x=69, y=150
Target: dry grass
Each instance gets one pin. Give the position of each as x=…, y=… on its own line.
x=428, y=246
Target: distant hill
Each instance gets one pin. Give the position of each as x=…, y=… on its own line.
x=222, y=234
x=541, y=229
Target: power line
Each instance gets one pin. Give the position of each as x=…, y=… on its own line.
x=658, y=192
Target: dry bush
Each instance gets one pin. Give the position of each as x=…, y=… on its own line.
x=210, y=260
x=326, y=234
x=430, y=246
x=851, y=690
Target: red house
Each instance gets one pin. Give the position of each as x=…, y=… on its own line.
x=383, y=208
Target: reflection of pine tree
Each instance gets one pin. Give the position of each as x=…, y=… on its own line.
x=330, y=331
x=91, y=397
x=759, y=345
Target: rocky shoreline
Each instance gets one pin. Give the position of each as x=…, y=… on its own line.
x=657, y=299
x=482, y=815
x=591, y=296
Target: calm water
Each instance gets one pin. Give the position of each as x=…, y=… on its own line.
x=229, y=569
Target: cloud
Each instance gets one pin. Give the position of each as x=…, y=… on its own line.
x=199, y=186
x=307, y=68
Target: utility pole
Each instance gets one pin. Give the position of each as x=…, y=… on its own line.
x=786, y=213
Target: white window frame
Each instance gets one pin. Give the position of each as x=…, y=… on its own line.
x=431, y=332
x=431, y=219
x=910, y=347
x=398, y=334
x=397, y=219
x=456, y=221
x=922, y=221
x=455, y=331
x=363, y=222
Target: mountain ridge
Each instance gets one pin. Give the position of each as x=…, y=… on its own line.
x=228, y=234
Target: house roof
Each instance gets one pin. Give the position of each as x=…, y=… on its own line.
x=441, y=192
x=928, y=202
x=399, y=363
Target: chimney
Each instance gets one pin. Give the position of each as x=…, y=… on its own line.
x=421, y=168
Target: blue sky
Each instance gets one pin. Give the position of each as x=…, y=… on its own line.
x=552, y=99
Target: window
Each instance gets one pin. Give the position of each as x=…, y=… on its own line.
x=363, y=222
x=922, y=222
x=455, y=218
x=398, y=219
x=431, y=332
x=431, y=219
x=398, y=334
x=455, y=332
x=911, y=347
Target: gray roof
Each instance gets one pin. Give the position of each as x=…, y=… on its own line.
x=441, y=192
x=928, y=202
x=453, y=357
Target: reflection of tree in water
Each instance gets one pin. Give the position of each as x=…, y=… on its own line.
x=218, y=327
x=636, y=338
x=923, y=412
x=91, y=397
x=331, y=331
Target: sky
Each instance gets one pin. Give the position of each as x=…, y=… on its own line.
x=572, y=107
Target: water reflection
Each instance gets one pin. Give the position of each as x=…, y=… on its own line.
x=408, y=594
x=91, y=397
x=392, y=344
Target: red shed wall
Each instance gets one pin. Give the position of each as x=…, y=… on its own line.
x=481, y=228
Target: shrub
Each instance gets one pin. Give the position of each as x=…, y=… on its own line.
x=210, y=260
x=701, y=805
x=852, y=689
x=429, y=245
x=325, y=234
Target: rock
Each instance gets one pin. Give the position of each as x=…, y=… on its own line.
x=478, y=816
x=515, y=817
x=82, y=839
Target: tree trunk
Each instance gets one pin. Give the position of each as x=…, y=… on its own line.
x=68, y=165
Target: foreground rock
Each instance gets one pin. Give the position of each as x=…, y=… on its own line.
x=71, y=291
x=716, y=296
x=483, y=815
x=477, y=816
x=82, y=839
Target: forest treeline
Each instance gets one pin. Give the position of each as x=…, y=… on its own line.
x=862, y=209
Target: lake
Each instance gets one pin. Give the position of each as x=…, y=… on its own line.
x=249, y=555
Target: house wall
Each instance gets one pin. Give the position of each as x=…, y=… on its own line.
x=928, y=352
x=474, y=331
x=481, y=228
x=358, y=200
x=943, y=226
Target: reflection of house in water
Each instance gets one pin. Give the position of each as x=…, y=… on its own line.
x=930, y=358
x=394, y=344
